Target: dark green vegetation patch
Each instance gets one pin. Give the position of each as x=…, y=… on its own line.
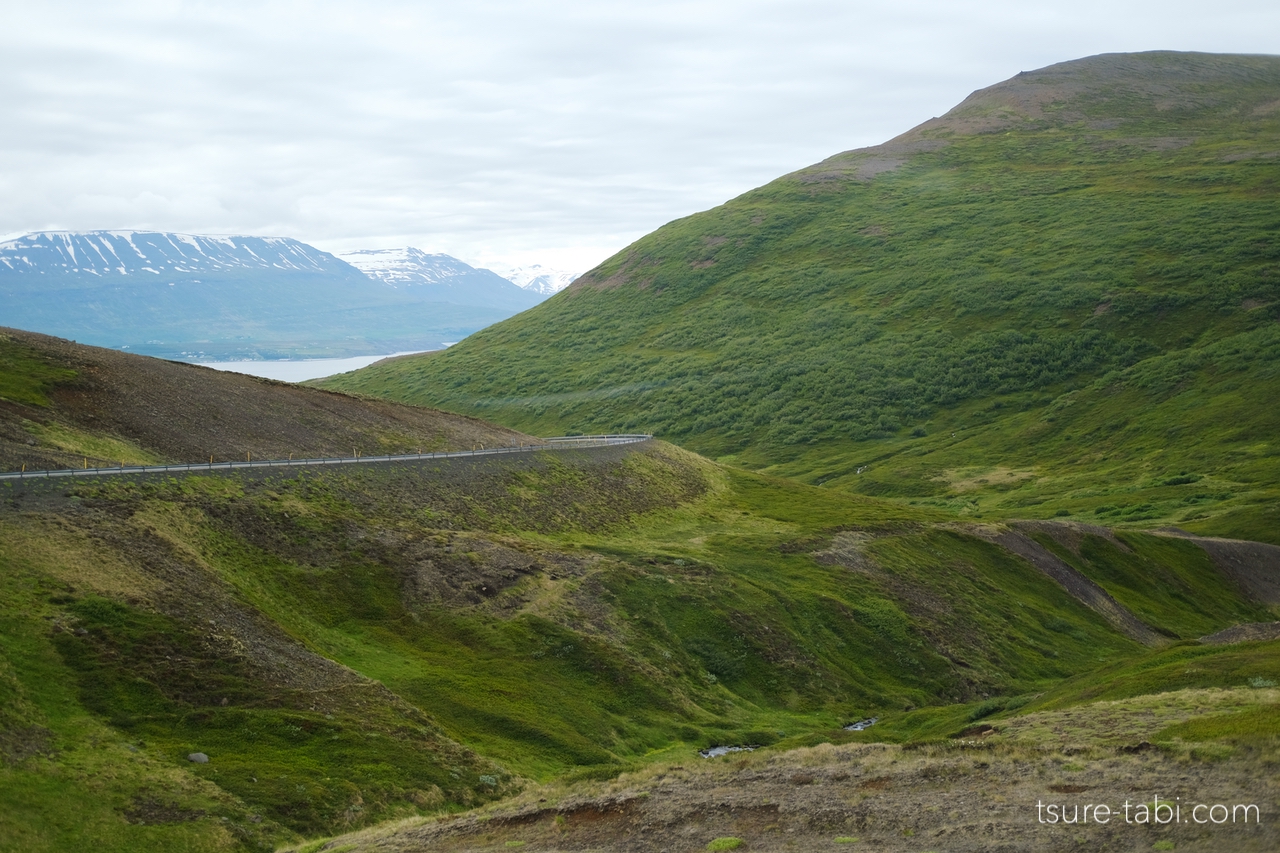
x=27, y=375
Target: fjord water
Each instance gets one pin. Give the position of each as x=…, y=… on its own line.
x=301, y=370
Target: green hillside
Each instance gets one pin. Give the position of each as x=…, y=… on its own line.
x=349, y=645
x=1061, y=298
x=357, y=645
x=67, y=405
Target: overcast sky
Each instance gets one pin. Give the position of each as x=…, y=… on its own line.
x=521, y=132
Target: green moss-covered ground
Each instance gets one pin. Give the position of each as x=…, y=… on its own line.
x=354, y=645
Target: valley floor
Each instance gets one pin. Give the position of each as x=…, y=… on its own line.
x=528, y=650
x=980, y=793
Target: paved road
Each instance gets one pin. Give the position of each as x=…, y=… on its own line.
x=564, y=443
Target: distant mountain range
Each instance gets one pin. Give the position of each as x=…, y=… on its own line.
x=538, y=278
x=441, y=278
x=188, y=296
x=410, y=266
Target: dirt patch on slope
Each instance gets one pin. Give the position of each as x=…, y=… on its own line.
x=635, y=268
x=22, y=742
x=1247, y=633
x=1080, y=587
x=1071, y=534
x=1253, y=567
x=150, y=810
x=468, y=570
x=964, y=796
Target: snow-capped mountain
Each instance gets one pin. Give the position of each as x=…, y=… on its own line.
x=407, y=266
x=200, y=297
x=122, y=253
x=538, y=278
x=441, y=277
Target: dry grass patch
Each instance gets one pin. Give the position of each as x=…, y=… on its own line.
x=973, y=479
x=57, y=548
x=953, y=796
x=1128, y=721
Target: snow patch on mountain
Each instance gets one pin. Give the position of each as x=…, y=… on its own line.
x=122, y=253
x=439, y=277
x=407, y=266
x=537, y=278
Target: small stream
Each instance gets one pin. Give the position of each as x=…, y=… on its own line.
x=716, y=751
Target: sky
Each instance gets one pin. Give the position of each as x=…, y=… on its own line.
x=503, y=133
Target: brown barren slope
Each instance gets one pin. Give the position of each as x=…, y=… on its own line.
x=61, y=402
x=1252, y=567
x=1081, y=588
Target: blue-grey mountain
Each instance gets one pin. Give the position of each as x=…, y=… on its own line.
x=441, y=278
x=183, y=296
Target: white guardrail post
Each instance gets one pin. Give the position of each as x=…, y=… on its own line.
x=563, y=442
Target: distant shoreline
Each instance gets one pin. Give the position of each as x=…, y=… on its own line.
x=301, y=370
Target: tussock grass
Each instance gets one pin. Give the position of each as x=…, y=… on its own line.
x=973, y=789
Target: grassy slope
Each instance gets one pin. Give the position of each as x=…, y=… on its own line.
x=1062, y=301
x=67, y=405
x=527, y=617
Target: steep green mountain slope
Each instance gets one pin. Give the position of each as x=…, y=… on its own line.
x=1061, y=298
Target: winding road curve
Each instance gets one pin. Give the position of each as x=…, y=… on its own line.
x=560, y=443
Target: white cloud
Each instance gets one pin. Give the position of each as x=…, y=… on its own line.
x=518, y=131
